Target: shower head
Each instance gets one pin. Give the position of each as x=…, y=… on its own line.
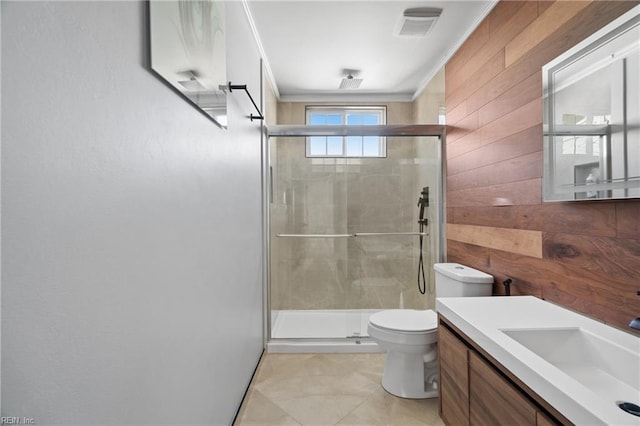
x=350, y=82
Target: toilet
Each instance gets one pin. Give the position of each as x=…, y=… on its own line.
x=409, y=336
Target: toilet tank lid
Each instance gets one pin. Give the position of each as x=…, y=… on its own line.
x=463, y=273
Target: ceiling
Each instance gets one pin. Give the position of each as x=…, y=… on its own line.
x=307, y=45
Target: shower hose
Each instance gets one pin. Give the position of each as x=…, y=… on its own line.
x=422, y=282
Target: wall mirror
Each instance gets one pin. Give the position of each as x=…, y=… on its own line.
x=591, y=116
x=187, y=50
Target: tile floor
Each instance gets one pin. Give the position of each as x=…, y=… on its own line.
x=328, y=389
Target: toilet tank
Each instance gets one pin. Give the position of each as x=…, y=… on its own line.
x=456, y=280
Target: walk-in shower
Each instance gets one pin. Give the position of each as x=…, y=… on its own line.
x=349, y=236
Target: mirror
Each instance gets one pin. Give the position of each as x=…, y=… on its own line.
x=591, y=116
x=187, y=49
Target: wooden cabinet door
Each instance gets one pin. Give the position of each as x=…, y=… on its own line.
x=454, y=379
x=493, y=400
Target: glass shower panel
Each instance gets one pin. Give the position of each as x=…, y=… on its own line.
x=382, y=212
x=309, y=241
x=344, y=240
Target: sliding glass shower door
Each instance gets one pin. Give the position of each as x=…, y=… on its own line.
x=344, y=235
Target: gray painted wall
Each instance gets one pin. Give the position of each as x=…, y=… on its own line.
x=131, y=268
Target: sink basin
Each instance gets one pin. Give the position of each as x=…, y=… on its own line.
x=610, y=370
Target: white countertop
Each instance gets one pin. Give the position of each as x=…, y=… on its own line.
x=483, y=318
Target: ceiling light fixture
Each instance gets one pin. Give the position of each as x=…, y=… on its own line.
x=417, y=22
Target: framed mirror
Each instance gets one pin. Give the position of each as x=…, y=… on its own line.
x=187, y=50
x=591, y=116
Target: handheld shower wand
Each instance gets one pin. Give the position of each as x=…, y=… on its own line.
x=423, y=202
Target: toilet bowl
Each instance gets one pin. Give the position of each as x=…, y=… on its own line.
x=409, y=337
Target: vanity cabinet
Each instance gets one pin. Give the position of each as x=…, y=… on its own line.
x=474, y=391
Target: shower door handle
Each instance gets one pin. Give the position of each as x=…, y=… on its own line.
x=315, y=235
x=378, y=234
x=357, y=234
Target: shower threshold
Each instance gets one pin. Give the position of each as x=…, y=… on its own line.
x=321, y=331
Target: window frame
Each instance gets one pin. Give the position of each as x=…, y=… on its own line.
x=344, y=111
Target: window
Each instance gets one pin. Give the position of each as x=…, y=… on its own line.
x=346, y=146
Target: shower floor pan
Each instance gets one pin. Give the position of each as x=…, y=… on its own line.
x=321, y=331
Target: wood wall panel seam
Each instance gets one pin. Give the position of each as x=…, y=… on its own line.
x=526, y=14
x=528, y=90
x=462, y=127
x=494, y=66
x=501, y=84
x=476, y=41
x=522, y=143
x=522, y=118
x=523, y=167
x=458, y=113
x=502, y=13
x=519, y=193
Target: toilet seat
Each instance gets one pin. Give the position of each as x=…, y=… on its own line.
x=410, y=321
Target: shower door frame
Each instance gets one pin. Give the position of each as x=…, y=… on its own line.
x=415, y=130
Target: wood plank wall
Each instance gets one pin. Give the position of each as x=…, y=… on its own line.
x=585, y=255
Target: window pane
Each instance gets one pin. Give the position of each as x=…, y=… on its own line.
x=354, y=119
x=371, y=146
x=317, y=119
x=334, y=145
x=371, y=119
x=317, y=145
x=354, y=146
x=334, y=119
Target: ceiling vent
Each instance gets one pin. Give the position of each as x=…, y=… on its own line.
x=350, y=82
x=417, y=22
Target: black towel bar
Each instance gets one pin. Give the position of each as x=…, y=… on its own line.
x=232, y=87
